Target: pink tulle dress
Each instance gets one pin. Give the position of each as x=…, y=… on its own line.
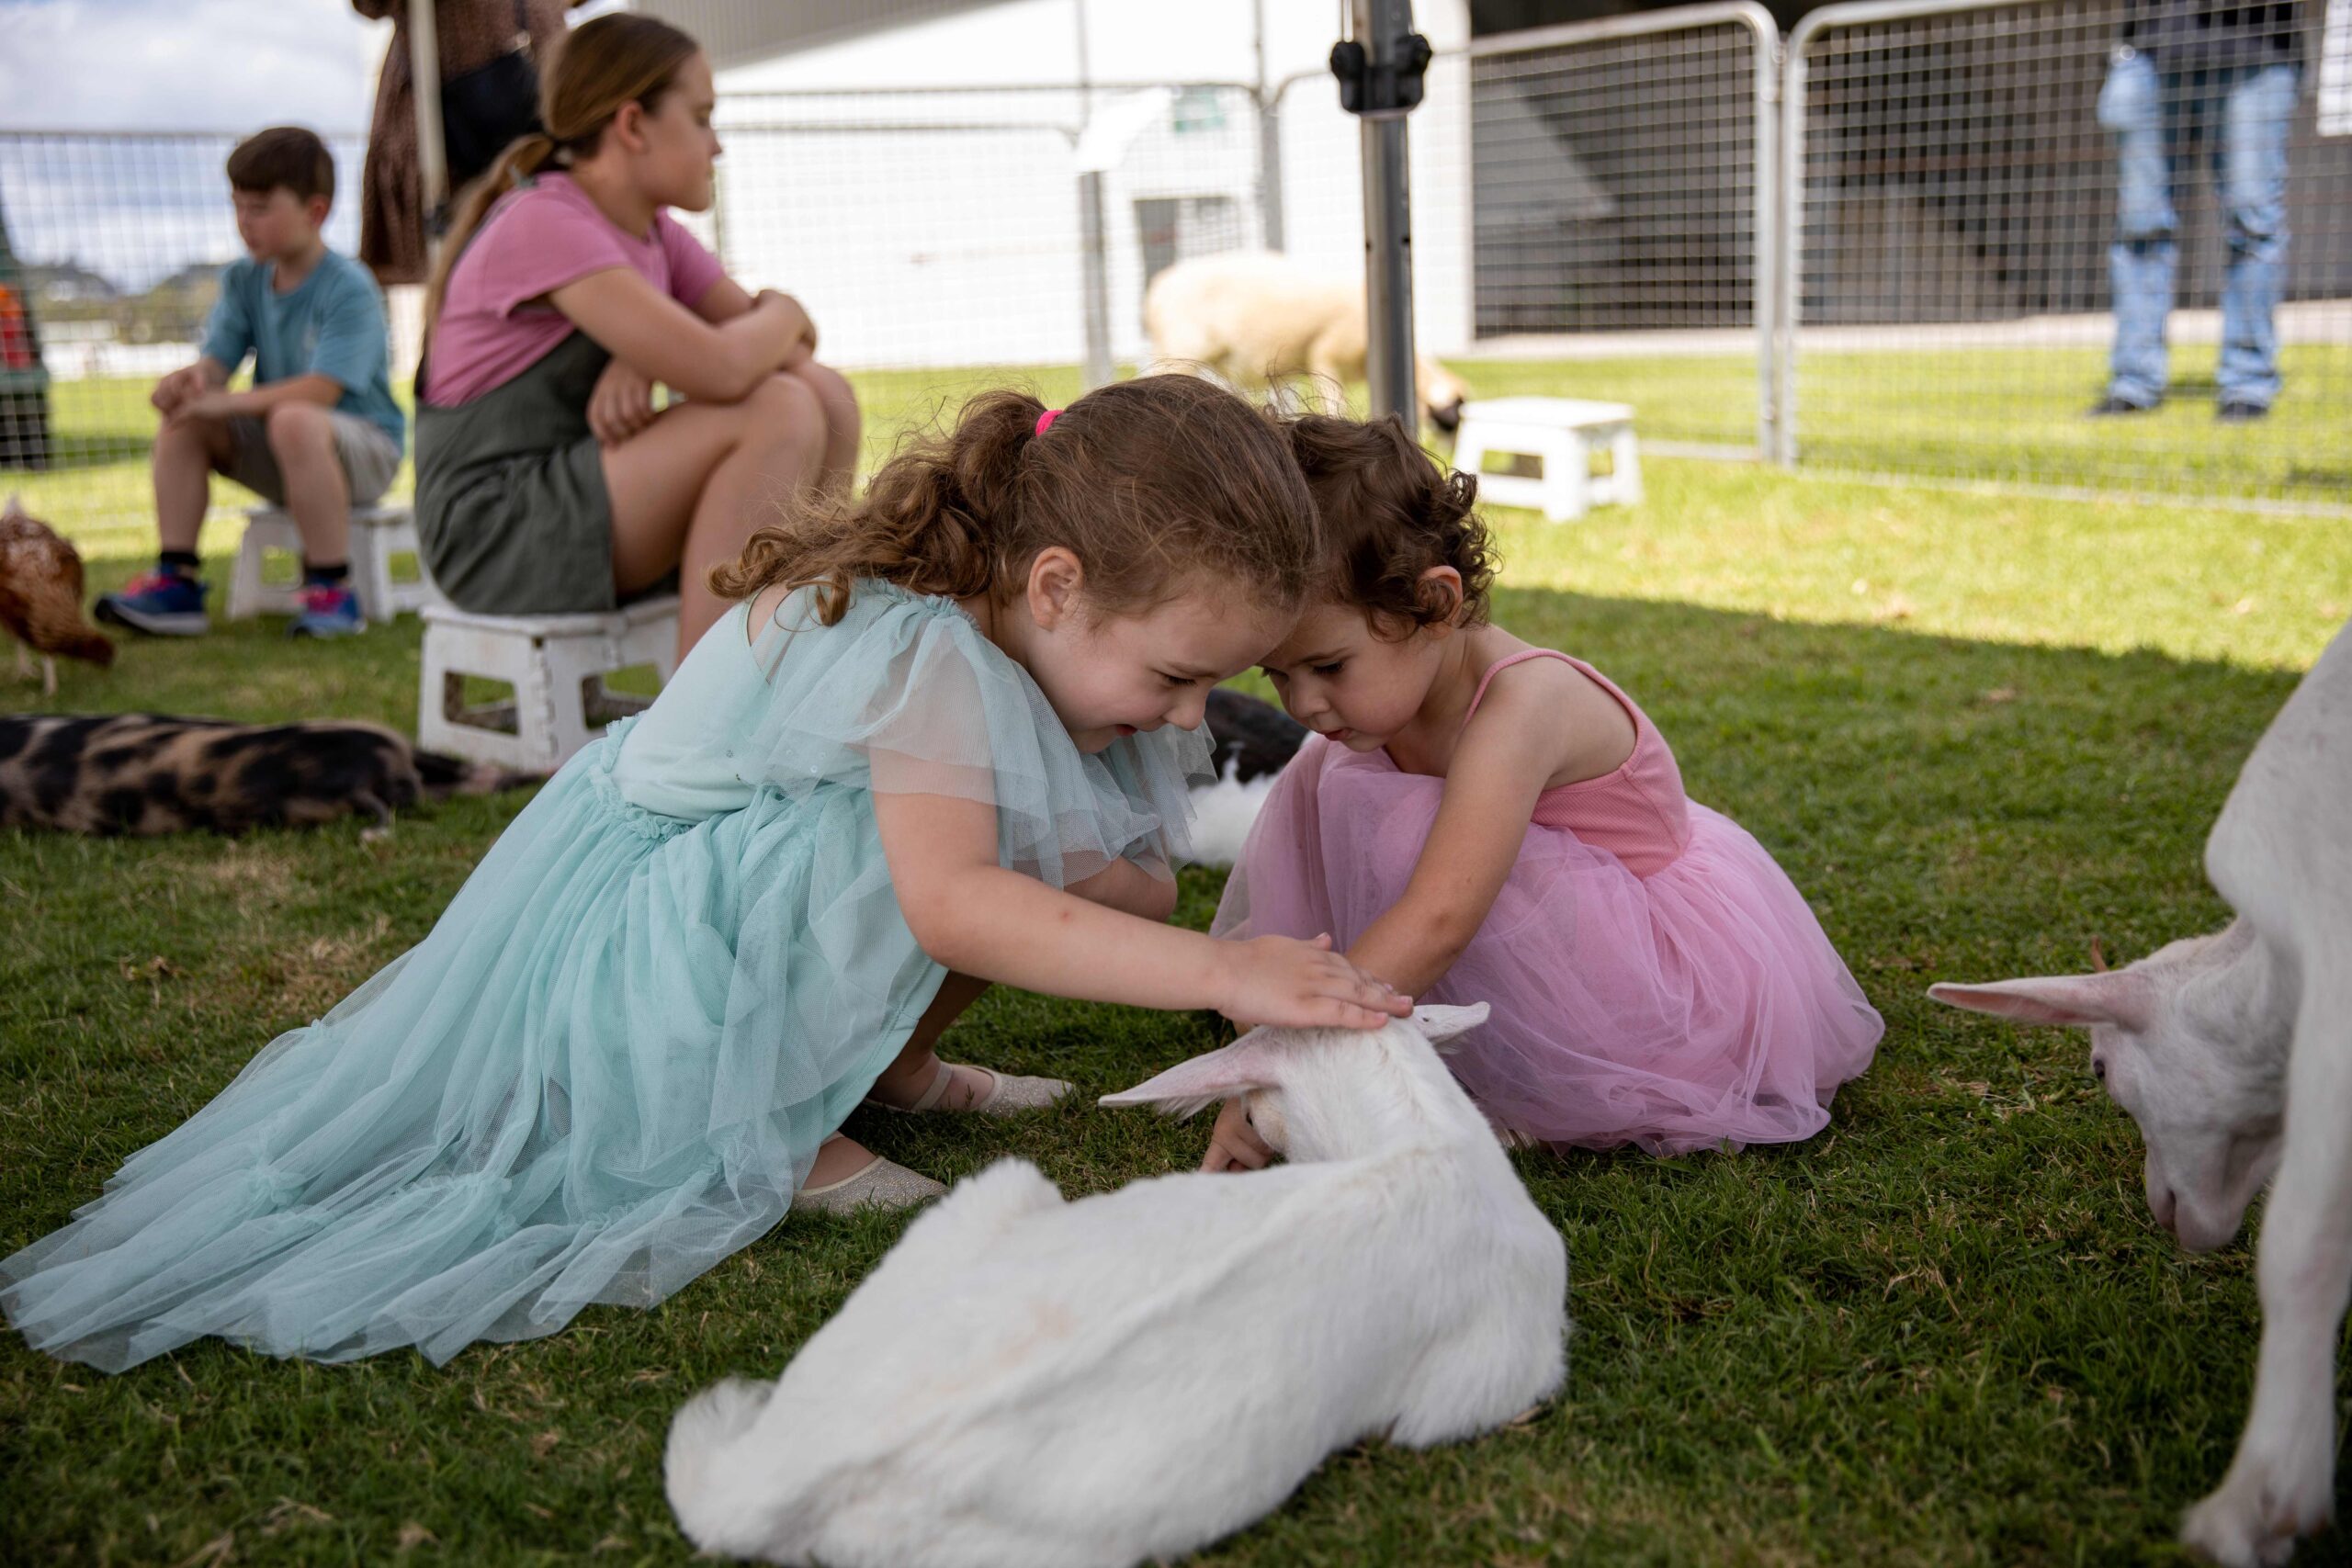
x=1655, y=978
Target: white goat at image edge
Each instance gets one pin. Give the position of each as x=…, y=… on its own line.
x=2234, y=1053
x=1032, y=1382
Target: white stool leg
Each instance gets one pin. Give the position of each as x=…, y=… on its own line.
x=452, y=653
x=245, y=576
x=1568, y=477
x=564, y=668
x=368, y=573
x=1625, y=455
x=1470, y=452
x=399, y=538
x=435, y=731
x=651, y=642
x=250, y=592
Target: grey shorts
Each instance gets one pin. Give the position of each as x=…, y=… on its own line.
x=370, y=458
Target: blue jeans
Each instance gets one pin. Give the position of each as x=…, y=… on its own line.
x=2243, y=116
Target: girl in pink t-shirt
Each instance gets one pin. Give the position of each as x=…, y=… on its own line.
x=547, y=479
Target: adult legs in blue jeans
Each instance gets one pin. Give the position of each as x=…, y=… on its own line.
x=2243, y=117
x=2250, y=169
x=2141, y=262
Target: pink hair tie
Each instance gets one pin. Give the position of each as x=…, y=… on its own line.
x=1046, y=420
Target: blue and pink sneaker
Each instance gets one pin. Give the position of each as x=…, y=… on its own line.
x=160, y=602
x=329, y=609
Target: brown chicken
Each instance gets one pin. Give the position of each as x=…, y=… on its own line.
x=40, y=597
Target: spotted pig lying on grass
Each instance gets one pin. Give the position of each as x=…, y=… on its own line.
x=149, y=774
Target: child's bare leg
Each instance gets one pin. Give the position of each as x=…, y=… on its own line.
x=910, y=1074
x=302, y=437
x=186, y=453
x=844, y=426
x=688, y=490
x=912, y=1071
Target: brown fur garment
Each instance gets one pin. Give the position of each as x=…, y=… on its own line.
x=147, y=773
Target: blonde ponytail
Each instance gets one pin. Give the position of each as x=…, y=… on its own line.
x=524, y=157
x=616, y=59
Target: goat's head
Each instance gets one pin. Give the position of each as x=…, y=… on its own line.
x=1329, y=1093
x=2191, y=1043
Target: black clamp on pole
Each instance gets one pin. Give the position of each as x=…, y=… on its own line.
x=1383, y=88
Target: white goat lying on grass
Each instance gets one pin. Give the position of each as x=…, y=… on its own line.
x=1255, y=317
x=2234, y=1053
x=1033, y=1382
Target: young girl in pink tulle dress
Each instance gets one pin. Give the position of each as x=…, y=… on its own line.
x=1477, y=819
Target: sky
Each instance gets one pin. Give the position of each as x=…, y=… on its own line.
x=136, y=208
x=187, y=65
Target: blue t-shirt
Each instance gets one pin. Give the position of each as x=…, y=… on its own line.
x=331, y=324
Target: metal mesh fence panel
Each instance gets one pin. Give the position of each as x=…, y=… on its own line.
x=920, y=230
x=110, y=251
x=1598, y=211
x=1322, y=201
x=1992, y=208
x=1621, y=173
x=944, y=240
x=1588, y=208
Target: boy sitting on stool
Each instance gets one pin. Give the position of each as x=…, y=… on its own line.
x=319, y=432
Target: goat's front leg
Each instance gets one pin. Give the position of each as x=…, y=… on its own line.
x=2282, y=1483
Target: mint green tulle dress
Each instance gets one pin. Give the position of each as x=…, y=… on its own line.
x=610, y=1063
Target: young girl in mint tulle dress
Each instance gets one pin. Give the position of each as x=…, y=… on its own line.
x=1477, y=819
x=944, y=740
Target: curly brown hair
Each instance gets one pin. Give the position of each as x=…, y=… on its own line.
x=1148, y=482
x=1390, y=511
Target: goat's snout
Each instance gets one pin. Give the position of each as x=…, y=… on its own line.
x=1447, y=416
x=2164, y=1204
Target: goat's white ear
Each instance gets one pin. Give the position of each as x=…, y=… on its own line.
x=2116, y=995
x=1249, y=1063
x=1439, y=1024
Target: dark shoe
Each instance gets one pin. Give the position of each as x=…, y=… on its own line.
x=162, y=603
x=2236, y=411
x=2111, y=405
x=329, y=609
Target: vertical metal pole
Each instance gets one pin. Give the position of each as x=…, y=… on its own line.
x=1093, y=227
x=1383, y=27
x=1270, y=142
x=424, y=83
x=1097, y=291
x=1791, y=238
x=1768, y=240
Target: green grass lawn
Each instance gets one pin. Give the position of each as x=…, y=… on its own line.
x=1978, y=731
x=2002, y=415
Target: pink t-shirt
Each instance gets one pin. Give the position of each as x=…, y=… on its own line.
x=535, y=240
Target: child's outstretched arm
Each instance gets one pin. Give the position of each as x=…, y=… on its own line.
x=977, y=919
x=1499, y=767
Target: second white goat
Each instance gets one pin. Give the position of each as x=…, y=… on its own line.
x=2233, y=1051
x=1039, y=1383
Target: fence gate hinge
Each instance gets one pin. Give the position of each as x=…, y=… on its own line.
x=1381, y=88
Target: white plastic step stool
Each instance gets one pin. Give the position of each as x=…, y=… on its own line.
x=378, y=534
x=1561, y=434
x=557, y=665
